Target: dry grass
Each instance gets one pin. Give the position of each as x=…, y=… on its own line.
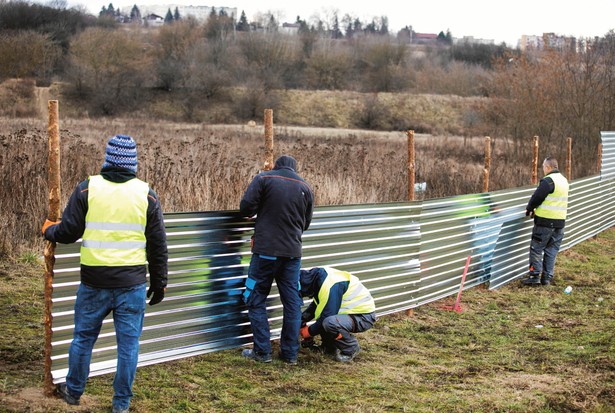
x=196, y=167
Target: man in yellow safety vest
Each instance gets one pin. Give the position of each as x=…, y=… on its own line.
x=341, y=306
x=548, y=207
x=120, y=221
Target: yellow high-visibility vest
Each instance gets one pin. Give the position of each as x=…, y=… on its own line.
x=555, y=204
x=356, y=300
x=115, y=223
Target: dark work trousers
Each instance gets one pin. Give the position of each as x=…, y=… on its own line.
x=543, y=249
x=263, y=270
x=345, y=324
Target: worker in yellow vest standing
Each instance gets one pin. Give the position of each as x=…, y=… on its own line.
x=548, y=207
x=342, y=306
x=120, y=221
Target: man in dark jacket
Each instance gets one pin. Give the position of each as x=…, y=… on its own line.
x=341, y=306
x=120, y=222
x=548, y=206
x=283, y=204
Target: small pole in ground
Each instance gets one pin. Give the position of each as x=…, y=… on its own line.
x=50, y=247
x=535, y=161
x=411, y=165
x=487, y=164
x=411, y=180
x=457, y=306
x=599, y=163
x=569, y=159
x=268, y=140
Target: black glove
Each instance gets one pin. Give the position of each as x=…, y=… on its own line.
x=158, y=295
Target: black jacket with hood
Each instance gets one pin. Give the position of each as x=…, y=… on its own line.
x=283, y=204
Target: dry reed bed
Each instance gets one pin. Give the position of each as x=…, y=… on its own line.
x=196, y=167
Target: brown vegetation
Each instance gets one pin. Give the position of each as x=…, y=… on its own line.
x=195, y=167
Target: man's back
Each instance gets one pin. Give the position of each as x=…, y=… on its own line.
x=283, y=202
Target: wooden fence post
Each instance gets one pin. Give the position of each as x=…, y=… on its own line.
x=268, y=140
x=411, y=165
x=487, y=164
x=535, y=162
x=569, y=159
x=53, y=131
x=411, y=180
x=599, y=163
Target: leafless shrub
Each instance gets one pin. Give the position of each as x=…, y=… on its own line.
x=16, y=98
x=28, y=54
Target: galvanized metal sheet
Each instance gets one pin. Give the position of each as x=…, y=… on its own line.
x=407, y=254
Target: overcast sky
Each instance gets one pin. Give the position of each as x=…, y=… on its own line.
x=487, y=19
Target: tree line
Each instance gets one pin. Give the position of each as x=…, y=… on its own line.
x=112, y=68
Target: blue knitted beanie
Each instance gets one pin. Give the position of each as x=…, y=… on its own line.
x=121, y=152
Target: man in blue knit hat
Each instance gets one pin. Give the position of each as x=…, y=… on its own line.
x=120, y=222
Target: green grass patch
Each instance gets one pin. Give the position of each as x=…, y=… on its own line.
x=515, y=349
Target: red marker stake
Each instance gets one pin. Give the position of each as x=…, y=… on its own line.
x=457, y=306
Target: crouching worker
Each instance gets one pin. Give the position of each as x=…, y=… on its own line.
x=341, y=306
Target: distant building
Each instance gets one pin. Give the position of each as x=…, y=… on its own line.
x=200, y=13
x=547, y=41
x=290, y=28
x=472, y=40
x=153, y=20
x=425, y=38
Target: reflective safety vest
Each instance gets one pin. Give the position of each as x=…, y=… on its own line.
x=115, y=223
x=555, y=204
x=356, y=300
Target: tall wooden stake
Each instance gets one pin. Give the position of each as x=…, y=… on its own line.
x=53, y=131
x=268, y=140
x=411, y=180
x=535, y=162
x=487, y=164
x=411, y=165
x=569, y=159
x=599, y=163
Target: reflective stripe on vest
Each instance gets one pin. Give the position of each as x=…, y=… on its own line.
x=356, y=300
x=555, y=204
x=115, y=223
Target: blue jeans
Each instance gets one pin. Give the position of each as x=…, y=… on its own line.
x=263, y=270
x=91, y=307
x=543, y=249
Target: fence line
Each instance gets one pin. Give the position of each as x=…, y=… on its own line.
x=408, y=254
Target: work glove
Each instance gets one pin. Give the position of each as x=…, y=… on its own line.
x=48, y=224
x=305, y=333
x=158, y=295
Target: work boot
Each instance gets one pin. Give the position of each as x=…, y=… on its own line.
x=63, y=393
x=546, y=279
x=346, y=358
x=531, y=280
x=290, y=362
x=251, y=354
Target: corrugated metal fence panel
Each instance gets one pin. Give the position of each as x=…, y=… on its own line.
x=378, y=243
x=607, y=169
x=407, y=254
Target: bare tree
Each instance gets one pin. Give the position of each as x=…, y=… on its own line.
x=110, y=67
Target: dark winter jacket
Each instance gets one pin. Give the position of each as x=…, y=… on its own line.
x=283, y=203
x=545, y=187
x=73, y=225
